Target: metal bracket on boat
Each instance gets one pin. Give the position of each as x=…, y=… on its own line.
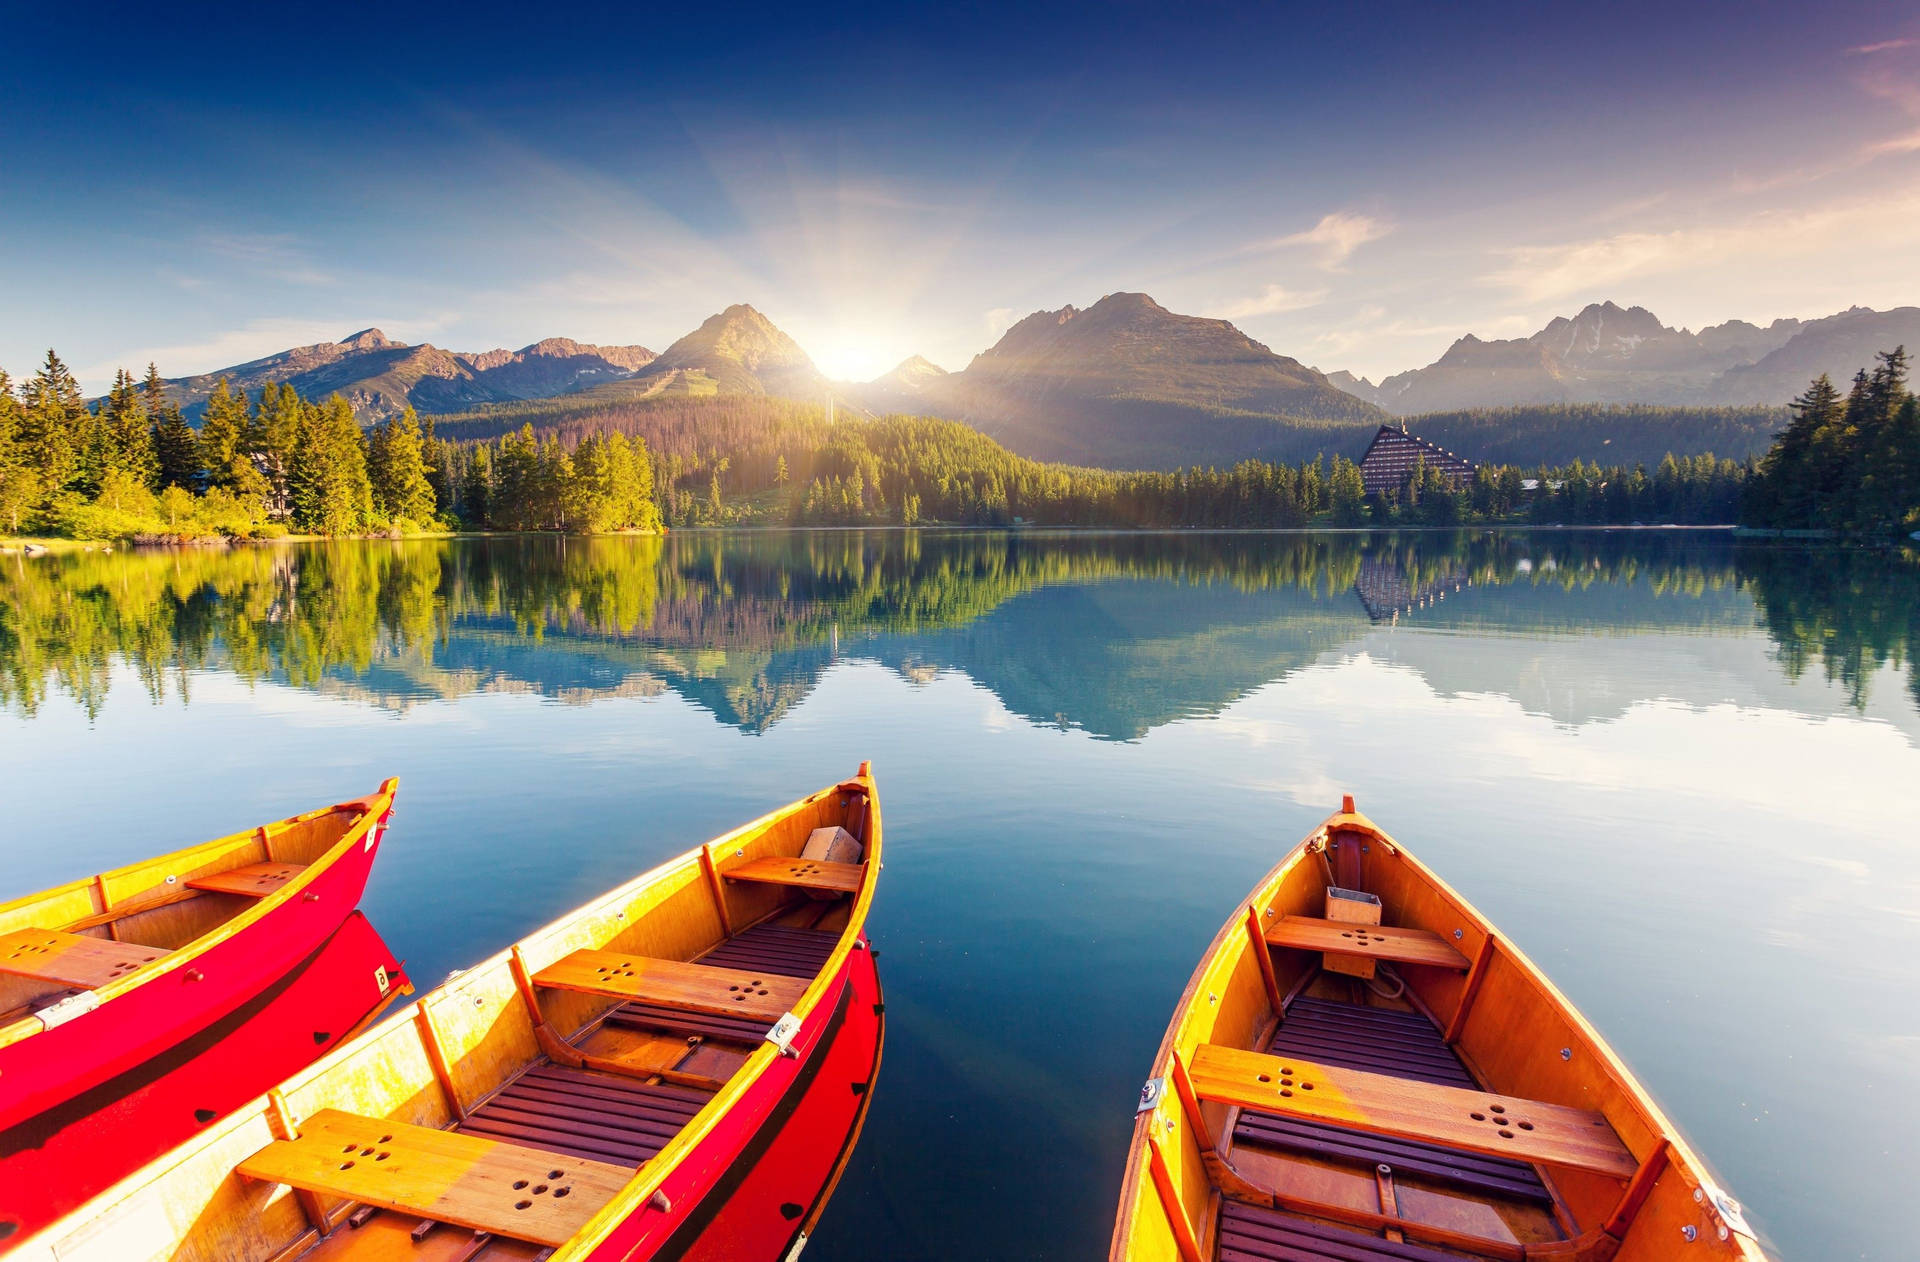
x=1725, y=1208
x=1151, y=1094
x=799, y=1243
x=783, y=1033
x=68, y=1009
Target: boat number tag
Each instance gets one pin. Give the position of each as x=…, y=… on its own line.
x=380, y=978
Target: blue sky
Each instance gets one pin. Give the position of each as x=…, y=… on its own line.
x=1355, y=185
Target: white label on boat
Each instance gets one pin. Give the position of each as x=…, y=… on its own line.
x=67, y=1009
x=380, y=978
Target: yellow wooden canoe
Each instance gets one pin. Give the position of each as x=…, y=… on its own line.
x=1363, y=1068
x=663, y=1072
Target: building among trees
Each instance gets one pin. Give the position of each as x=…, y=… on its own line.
x=1394, y=455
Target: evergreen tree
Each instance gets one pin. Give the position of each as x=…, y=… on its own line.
x=397, y=467
x=224, y=440
x=177, y=451
x=19, y=485
x=53, y=414
x=327, y=476
x=476, y=486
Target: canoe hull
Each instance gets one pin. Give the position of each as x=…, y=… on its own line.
x=54, y=1066
x=775, y=1164
x=58, y=1159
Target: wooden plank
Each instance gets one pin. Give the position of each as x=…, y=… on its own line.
x=1177, y=1222
x=1476, y=1121
x=812, y=874
x=1471, y=991
x=718, y=887
x=71, y=959
x=255, y=880
x=168, y=896
x=1258, y=945
x=507, y=1189
x=673, y=984
x=1378, y=942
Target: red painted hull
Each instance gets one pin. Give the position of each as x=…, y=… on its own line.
x=57, y=1160
x=54, y=1066
x=764, y=1174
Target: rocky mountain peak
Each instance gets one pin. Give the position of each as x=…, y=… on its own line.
x=369, y=340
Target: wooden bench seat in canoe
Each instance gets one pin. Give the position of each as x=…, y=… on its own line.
x=1251, y=1233
x=1384, y=1041
x=778, y=949
x=811, y=874
x=759, y=994
x=255, y=880
x=71, y=959
x=582, y=1113
x=1374, y=942
x=1452, y=1117
x=467, y=1180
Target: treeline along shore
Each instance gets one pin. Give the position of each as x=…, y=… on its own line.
x=130, y=466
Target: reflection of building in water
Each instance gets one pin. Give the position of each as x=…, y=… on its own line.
x=1394, y=454
x=1386, y=591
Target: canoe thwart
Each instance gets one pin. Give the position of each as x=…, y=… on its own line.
x=760, y=994
x=71, y=959
x=812, y=874
x=1375, y=942
x=255, y=880
x=482, y=1184
x=1455, y=1117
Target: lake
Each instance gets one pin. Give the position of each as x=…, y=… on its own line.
x=1682, y=772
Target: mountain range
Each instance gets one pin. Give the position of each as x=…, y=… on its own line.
x=1610, y=354
x=1124, y=383
x=382, y=377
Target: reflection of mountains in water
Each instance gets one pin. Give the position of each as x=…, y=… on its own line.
x=1113, y=635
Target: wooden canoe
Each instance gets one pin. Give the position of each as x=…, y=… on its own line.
x=678, y=1069
x=1376, y=1073
x=60, y=1158
x=100, y=975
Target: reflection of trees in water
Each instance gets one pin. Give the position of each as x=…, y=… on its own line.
x=718, y=607
x=1854, y=611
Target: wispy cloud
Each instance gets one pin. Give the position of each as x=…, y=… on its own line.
x=1270, y=299
x=270, y=256
x=1883, y=46
x=1537, y=273
x=1335, y=237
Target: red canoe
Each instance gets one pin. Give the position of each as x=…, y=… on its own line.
x=102, y=974
x=677, y=1070
x=58, y=1159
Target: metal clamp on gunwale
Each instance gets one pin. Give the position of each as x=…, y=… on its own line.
x=784, y=1031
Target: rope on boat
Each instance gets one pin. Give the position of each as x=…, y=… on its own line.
x=1387, y=971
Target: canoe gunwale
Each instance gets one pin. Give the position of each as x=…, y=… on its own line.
x=1645, y=1129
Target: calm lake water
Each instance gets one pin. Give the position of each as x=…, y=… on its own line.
x=1681, y=772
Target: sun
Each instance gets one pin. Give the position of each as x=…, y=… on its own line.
x=853, y=355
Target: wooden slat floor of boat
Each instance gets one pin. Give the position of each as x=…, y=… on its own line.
x=582, y=1113
x=776, y=949
x=1381, y=1041
x=1249, y=1233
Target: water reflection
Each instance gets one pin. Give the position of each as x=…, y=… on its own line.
x=1113, y=634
